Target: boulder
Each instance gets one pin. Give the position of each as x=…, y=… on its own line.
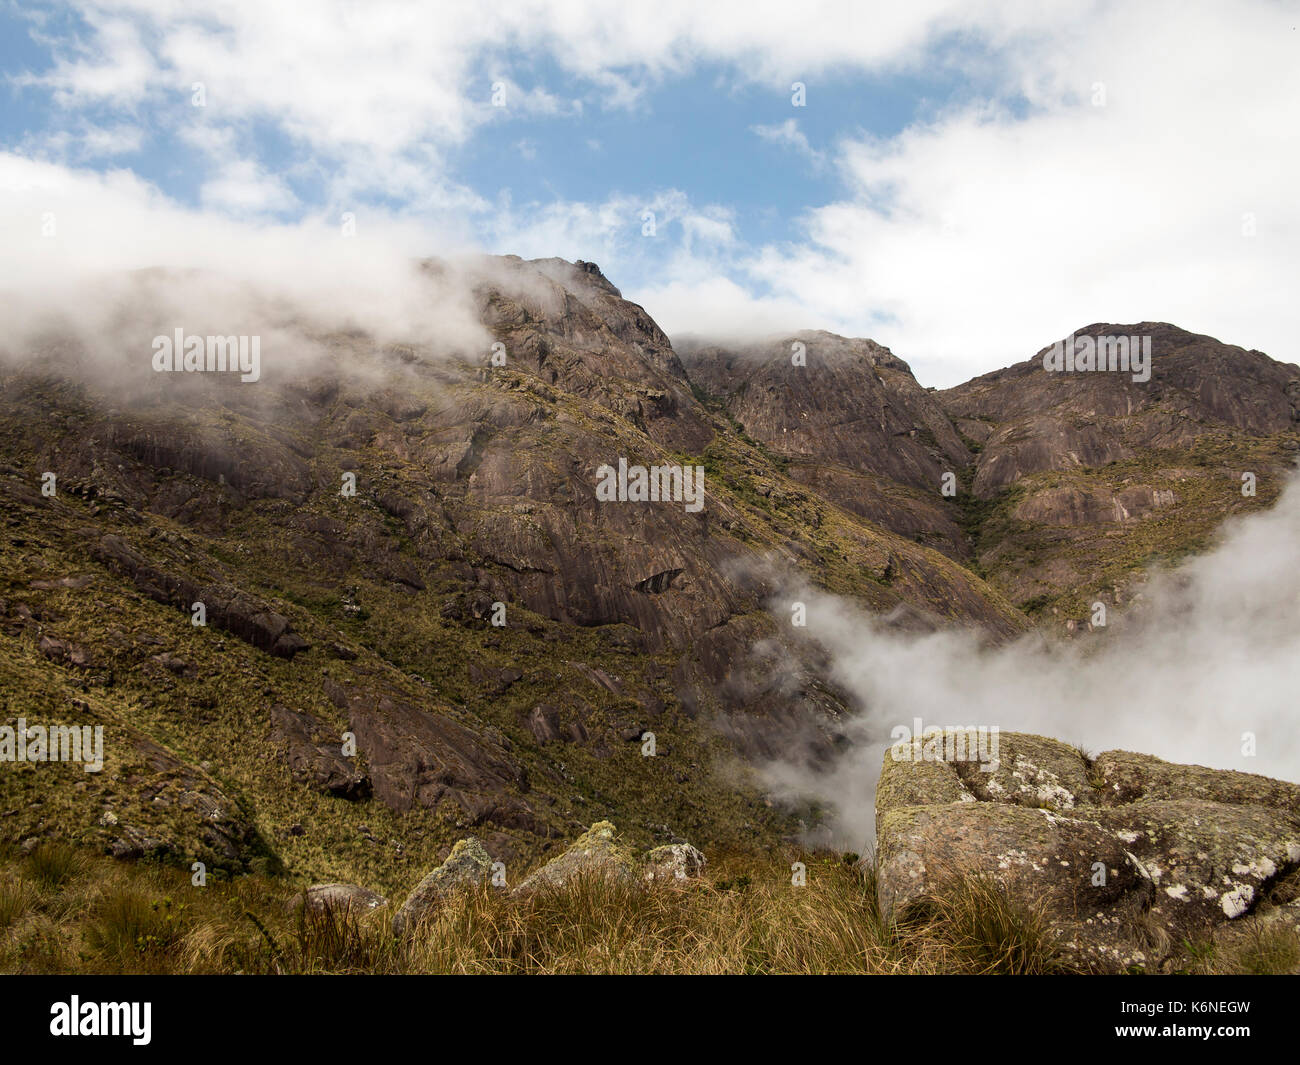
x=674, y=863
x=337, y=897
x=597, y=851
x=1131, y=859
x=468, y=866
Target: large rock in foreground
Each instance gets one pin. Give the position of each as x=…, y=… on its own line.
x=596, y=852
x=1130, y=857
x=468, y=866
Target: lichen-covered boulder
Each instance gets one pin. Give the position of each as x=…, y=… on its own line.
x=673, y=864
x=322, y=897
x=598, y=851
x=468, y=866
x=1130, y=858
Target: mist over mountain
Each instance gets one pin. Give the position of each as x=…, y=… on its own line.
x=399, y=535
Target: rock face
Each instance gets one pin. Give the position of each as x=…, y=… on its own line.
x=419, y=757
x=596, y=852
x=1074, y=469
x=1130, y=857
x=321, y=765
x=1055, y=476
x=467, y=867
x=1036, y=421
x=850, y=421
x=851, y=403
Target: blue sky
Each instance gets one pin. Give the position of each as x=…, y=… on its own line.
x=953, y=186
x=698, y=133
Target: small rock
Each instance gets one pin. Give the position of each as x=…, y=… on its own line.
x=674, y=863
x=321, y=897
x=172, y=663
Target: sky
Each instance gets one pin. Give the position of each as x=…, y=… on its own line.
x=962, y=182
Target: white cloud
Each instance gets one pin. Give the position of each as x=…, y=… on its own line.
x=984, y=235
x=243, y=187
x=788, y=135
x=75, y=241
x=965, y=242
x=85, y=141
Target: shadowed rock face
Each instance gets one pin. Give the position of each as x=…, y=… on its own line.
x=851, y=422
x=854, y=404
x=314, y=759
x=1130, y=857
x=420, y=756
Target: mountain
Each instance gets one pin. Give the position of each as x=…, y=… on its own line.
x=850, y=421
x=1088, y=480
x=494, y=637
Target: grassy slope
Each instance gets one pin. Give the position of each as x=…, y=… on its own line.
x=62, y=910
x=1061, y=571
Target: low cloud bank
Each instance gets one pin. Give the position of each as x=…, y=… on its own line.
x=1208, y=658
x=97, y=265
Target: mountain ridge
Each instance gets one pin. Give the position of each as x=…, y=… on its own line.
x=475, y=486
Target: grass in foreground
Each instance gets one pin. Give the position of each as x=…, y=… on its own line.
x=63, y=911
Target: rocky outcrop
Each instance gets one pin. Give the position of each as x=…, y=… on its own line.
x=1092, y=505
x=467, y=867
x=1131, y=858
x=674, y=863
x=225, y=607
x=319, y=765
x=419, y=756
x=597, y=852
